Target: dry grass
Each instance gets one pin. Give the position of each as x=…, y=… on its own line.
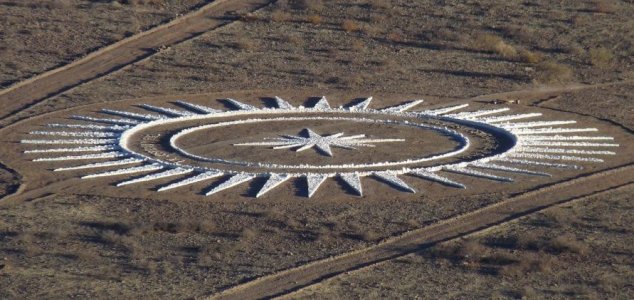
x=380, y=4
x=601, y=57
x=552, y=72
x=350, y=26
x=530, y=57
x=604, y=6
x=569, y=243
x=309, y=5
x=491, y=43
x=315, y=19
x=281, y=16
x=244, y=44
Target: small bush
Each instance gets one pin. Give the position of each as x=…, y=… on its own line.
x=380, y=4
x=315, y=19
x=530, y=57
x=604, y=6
x=395, y=37
x=552, y=72
x=281, y=16
x=491, y=43
x=350, y=26
x=568, y=243
x=310, y=5
x=243, y=44
x=600, y=57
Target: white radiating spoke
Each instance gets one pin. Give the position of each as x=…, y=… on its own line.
x=555, y=157
x=564, y=151
x=322, y=103
x=197, y=107
x=393, y=180
x=402, y=107
x=534, y=124
x=322, y=143
x=74, y=149
x=491, y=166
x=551, y=130
x=71, y=142
x=91, y=126
x=132, y=170
x=107, y=121
x=565, y=138
x=537, y=163
x=167, y=111
x=437, y=178
x=273, y=181
x=240, y=105
x=353, y=181
x=509, y=117
x=474, y=173
x=85, y=156
x=444, y=110
x=127, y=114
x=478, y=113
x=361, y=106
x=91, y=134
x=231, y=182
x=113, y=163
x=191, y=180
x=566, y=144
x=155, y=176
x=283, y=104
x=314, y=181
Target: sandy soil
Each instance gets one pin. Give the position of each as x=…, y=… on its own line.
x=580, y=250
x=41, y=35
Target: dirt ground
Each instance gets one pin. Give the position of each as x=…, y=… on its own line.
x=39, y=35
x=578, y=250
x=65, y=237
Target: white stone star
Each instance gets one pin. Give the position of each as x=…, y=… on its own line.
x=311, y=139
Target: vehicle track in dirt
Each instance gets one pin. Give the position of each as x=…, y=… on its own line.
x=112, y=58
x=287, y=281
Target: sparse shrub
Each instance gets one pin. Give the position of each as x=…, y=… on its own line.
x=492, y=43
x=243, y=44
x=310, y=5
x=293, y=39
x=568, y=243
x=552, y=72
x=315, y=19
x=358, y=45
x=530, y=57
x=395, y=37
x=248, y=234
x=380, y=4
x=505, y=50
x=604, y=6
x=350, y=26
x=281, y=16
x=600, y=57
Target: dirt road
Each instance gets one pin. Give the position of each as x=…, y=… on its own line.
x=293, y=279
x=116, y=56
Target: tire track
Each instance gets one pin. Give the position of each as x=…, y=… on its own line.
x=291, y=280
x=114, y=57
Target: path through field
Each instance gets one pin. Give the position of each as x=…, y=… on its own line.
x=118, y=55
x=287, y=281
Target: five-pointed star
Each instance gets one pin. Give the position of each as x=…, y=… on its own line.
x=323, y=143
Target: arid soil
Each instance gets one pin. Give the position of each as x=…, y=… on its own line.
x=577, y=250
x=65, y=237
x=38, y=35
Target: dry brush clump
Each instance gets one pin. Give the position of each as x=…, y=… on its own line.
x=600, y=57
x=552, y=72
x=350, y=26
x=491, y=43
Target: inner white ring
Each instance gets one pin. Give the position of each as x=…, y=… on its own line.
x=462, y=139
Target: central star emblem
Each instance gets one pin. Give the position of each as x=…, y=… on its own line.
x=308, y=139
